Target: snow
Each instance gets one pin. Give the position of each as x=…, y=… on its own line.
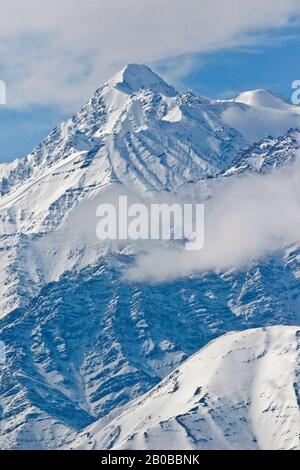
x=263, y=98
x=174, y=115
x=137, y=76
x=236, y=393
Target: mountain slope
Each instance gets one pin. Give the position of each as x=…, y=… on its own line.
x=239, y=392
x=90, y=343
x=266, y=155
x=259, y=113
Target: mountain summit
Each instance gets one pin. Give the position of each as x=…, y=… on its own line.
x=262, y=98
x=135, y=77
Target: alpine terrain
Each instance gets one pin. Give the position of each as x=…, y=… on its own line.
x=95, y=359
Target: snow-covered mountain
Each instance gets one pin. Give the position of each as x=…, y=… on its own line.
x=136, y=132
x=239, y=392
x=90, y=342
x=82, y=342
x=123, y=134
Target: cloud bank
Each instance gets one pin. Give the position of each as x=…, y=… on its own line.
x=247, y=218
x=57, y=52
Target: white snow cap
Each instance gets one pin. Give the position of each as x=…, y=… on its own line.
x=135, y=77
x=262, y=98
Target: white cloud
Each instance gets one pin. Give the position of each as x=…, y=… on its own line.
x=247, y=218
x=58, y=52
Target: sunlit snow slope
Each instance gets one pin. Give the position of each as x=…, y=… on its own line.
x=239, y=392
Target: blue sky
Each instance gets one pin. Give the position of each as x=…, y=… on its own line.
x=21, y=130
x=273, y=66
x=214, y=52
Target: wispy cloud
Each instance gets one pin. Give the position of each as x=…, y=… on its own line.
x=58, y=52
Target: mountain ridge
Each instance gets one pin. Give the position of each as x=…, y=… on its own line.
x=226, y=396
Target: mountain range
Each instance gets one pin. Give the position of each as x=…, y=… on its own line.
x=91, y=356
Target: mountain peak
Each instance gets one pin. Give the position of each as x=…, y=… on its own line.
x=135, y=77
x=262, y=98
